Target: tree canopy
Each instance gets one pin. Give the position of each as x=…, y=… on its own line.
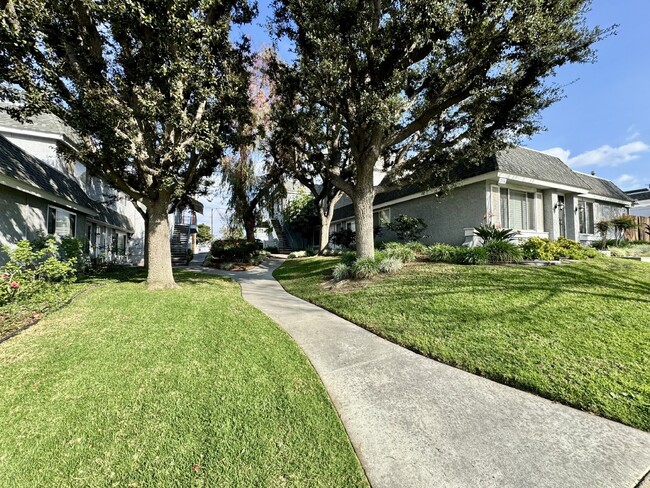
x=154, y=90
x=420, y=86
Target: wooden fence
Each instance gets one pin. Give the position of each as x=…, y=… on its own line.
x=639, y=234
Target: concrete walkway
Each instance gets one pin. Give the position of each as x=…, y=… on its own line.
x=415, y=422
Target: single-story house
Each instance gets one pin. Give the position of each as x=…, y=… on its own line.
x=641, y=199
x=534, y=193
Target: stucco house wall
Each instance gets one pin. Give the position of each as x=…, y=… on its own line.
x=445, y=216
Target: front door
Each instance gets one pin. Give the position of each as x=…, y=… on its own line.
x=561, y=215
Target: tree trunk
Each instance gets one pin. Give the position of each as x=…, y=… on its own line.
x=249, y=227
x=326, y=221
x=159, y=256
x=146, y=242
x=364, y=196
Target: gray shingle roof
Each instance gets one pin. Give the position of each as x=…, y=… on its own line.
x=602, y=187
x=642, y=194
x=46, y=123
x=525, y=162
x=113, y=218
x=518, y=161
x=17, y=164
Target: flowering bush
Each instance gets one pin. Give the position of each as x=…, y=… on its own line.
x=29, y=272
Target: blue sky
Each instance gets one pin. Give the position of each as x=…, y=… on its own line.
x=603, y=123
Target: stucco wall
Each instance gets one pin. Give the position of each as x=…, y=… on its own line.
x=23, y=216
x=447, y=216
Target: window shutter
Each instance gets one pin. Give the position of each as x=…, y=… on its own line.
x=539, y=212
x=495, y=205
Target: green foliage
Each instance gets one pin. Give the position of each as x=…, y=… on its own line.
x=602, y=228
x=417, y=246
x=441, y=253
x=407, y=228
x=343, y=237
x=622, y=224
x=227, y=266
x=301, y=214
x=632, y=250
x=548, y=250
x=30, y=272
x=233, y=250
x=203, y=234
x=311, y=251
x=470, y=255
x=400, y=251
x=364, y=268
x=341, y=272
x=156, y=92
x=390, y=265
x=256, y=260
x=297, y=254
x=348, y=257
x=490, y=232
x=419, y=80
x=499, y=251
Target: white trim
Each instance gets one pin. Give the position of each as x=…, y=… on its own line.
x=541, y=183
x=45, y=195
x=596, y=197
x=57, y=136
x=47, y=220
x=465, y=182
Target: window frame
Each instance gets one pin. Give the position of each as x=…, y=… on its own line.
x=72, y=219
x=531, y=221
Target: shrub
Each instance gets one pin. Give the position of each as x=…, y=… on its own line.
x=256, y=260
x=341, y=272
x=503, y=252
x=348, y=257
x=407, y=228
x=417, y=246
x=603, y=229
x=29, y=272
x=400, y=251
x=390, y=265
x=441, y=253
x=343, y=238
x=539, y=248
x=311, y=251
x=208, y=261
x=365, y=268
x=226, y=266
x=297, y=254
x=233, y=250
x=623, y=223
x=490, y=232
x=470, y=255
x=548, y=250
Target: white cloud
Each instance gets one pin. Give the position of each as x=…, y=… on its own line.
x=604, y=156
x=627, y=182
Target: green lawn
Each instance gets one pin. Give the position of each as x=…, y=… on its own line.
x=189, y=387
x=577, y=333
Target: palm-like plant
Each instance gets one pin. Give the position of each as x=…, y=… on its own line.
x=490, y=232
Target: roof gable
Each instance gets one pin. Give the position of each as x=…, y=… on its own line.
x=17, y=164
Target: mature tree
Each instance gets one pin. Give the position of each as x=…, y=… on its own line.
x=420, y=85
x=307, y=144
x=253, y=188
x=155, y=91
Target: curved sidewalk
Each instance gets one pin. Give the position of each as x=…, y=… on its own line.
x=415, y=422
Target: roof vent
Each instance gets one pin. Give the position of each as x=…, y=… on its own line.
x=593, y=173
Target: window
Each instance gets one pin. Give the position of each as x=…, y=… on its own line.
x=586, y=217
x=519, y=210
x=61, y=222
x=381, y=217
